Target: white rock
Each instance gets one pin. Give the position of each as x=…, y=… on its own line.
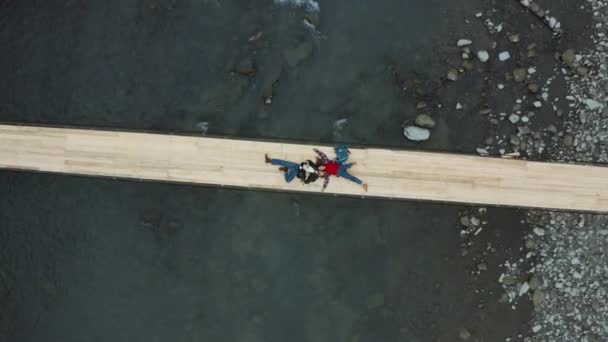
x=525, y=3
x=503, y=56
x=523, y=289
x=552, y=22
x=458, y=106
x=501, y=86
x=525, y=119
x=545, y=96
x=539, y=231
x=415, y=133
x=537, y=104
x=478, y=15
x=464, y=42
x=536, y=328
x=593, y=105
x=531, y=70
x=603, y=232
x=514, y=118
x=483, y=55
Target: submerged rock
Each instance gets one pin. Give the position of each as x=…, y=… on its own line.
x=425, y=120
x=298, y=54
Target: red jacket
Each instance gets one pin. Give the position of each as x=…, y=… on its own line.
x=332, y=168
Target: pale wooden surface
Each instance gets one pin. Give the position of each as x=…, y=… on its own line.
x=239, y=163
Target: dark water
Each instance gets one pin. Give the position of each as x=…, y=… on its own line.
x=101, y=260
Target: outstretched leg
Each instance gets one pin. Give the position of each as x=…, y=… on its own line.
x=291, y=167
x=343, y=172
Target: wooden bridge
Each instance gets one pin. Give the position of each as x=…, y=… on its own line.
x=240, y=163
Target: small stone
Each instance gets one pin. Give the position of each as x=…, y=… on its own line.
x=538, y=298
x=525, y=3
x=568, y=140
x=503, y=56
x=375, y=301
x=483, y=55
x=583, y=71
x=537, y=104
x=482, y=266
x=424, y=120
x=523, y=130
x=514, y=140
x=464, y=334
x=514, y=118
x=593, y=105
x=465, y=221
x=551, y=128
x=530, y=243
x=569, y=57
x=421, y=105
x=464, y=42
x=509, y=280
x=523, y=289
x=536, y=328
x=520, y=74
x=475, y=221
x=525, y=119
x=514, y=38
x=500, y=86
x=416, y=133
x=452, y=75
x=534, y=283
x=533, y=88
x=458, y=106
x=539, y=231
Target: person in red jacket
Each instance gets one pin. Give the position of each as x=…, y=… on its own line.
x=330, y=167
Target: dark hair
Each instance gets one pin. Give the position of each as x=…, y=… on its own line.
x=312, y=176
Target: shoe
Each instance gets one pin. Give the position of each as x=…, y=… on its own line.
x=267, y=159
x=283, y=169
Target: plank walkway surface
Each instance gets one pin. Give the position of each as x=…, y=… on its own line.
x=240, y=163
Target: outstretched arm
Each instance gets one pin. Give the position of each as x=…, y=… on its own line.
x=325, y=182
x=322, y=155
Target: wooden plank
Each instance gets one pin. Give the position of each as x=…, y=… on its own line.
x=240, y=163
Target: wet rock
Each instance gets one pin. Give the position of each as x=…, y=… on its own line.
x=509, y=280
x=530, y=243
x=468, y=66
x=534, y=283
x=520, y=74
x=537, y=10
x=483, y=55
x=514, y=38
x=523, y=130
x=533, y=88
x=313, y=18
x=523, y=289
x=569, y=57
x=464, y=42
x=583, y=71
x=246, y=67
x=416, y=133
x=465, y=221
x=568, y=140
x=503, y=56
x=421, y=105
x=514, y=118
x=272, y=73
x=452, y=75
x=482, y=266
x=475, y=221
x=593, y=105
x=375, y=301
x=539, y=231
x=551, y=128
x=424, y=120
x=298, y=54
x=464, y=334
